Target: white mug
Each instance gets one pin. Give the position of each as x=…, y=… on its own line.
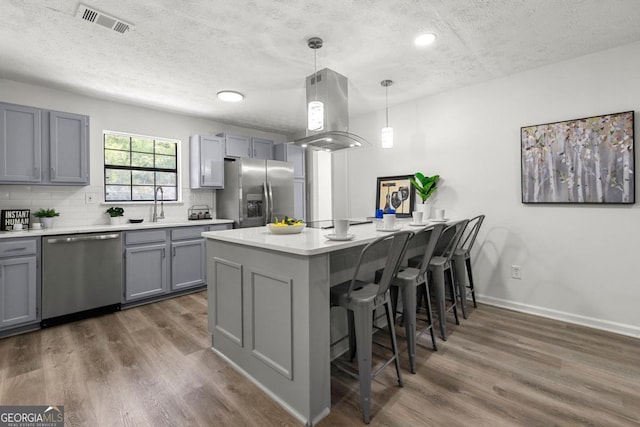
x=417, y=217
x=341, y=226
x=36, y=226
x=440, y=214
x=389, y=221
x=17, y=227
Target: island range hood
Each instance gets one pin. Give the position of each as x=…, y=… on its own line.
x=330, y=88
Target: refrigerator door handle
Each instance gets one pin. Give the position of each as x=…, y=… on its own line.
x=270, y=202
x=267, y=210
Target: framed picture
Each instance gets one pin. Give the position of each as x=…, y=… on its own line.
x=395, y=192
x=588, y=160
x=10, y=217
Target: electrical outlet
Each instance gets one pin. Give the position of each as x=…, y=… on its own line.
x=516, y=272
x=89, y=198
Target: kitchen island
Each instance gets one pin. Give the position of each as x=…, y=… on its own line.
x=269, y=310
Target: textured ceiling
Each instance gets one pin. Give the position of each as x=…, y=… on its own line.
x=179, y=54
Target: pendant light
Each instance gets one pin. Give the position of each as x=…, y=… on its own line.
x=386, y=136
x=315, y=109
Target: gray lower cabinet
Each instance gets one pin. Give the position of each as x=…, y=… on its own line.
x=43, y=147
x=188, y=263
x=18, y=282
x=146, y=265
x=161, y=261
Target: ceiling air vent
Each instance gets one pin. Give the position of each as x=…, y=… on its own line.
x=94, y=16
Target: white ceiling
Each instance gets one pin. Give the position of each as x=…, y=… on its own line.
x=179, y=54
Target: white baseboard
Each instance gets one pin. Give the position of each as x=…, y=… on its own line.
x=591, y=322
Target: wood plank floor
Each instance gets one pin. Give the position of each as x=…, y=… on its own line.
x=152, y=366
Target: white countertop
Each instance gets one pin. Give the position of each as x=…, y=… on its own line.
x=108, y=228
x=311, y=241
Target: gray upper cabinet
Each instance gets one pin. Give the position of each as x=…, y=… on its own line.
x=43, y=147
x=69, y=150
x=244, y=146
x=262, y=148
x=294, y=154
x=236, y=146
x=20, y=144
x=207, y=161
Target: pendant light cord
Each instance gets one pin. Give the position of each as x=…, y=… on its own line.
x=315, y=71
x=386, y=102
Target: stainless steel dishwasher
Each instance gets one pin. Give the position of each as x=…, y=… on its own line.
x=81, y=276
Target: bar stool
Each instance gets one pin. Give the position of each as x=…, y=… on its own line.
x=411, y=279
x=360, y=299
x=462, y=261
x=440, y=268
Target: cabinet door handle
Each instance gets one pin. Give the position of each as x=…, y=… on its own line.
x=174, y=251
x=164, y=254
x=249, y=151
x=53, y=173
x=202, y=178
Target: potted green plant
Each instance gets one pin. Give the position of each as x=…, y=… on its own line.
x=46, y=217
x=115, y=214
x=425, y=186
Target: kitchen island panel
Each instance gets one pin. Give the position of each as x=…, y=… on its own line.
x=285, y=302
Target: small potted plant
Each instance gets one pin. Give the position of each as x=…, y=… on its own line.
x=46, y=217
x=425, y=186
x=115, y=215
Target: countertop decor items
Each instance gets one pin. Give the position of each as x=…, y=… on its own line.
x=9, y=217
x=394, y=193
x=46, y=216
x=115, y=215
x=101, y=228
x=424, y=185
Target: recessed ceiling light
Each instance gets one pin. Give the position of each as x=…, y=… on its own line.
x=425, y=39
x=230, y=96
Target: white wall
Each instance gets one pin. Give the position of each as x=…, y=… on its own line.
x=107, y=115
x=579, y=263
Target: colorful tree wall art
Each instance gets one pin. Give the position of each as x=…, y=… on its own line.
x=588, y=160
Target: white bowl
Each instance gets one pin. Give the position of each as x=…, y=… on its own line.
x=285, y=229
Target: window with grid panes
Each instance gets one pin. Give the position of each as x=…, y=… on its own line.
x=134, y=166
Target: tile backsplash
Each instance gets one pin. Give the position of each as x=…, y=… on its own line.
x=75, y=207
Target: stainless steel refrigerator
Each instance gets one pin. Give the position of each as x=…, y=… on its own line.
x=255, y=192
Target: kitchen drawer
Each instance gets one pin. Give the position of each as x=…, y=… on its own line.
x=141, y=237
x=185, y=233
x=18, y=248
x=217, y=227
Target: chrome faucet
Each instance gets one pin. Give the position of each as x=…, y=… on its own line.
x=155, y=204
